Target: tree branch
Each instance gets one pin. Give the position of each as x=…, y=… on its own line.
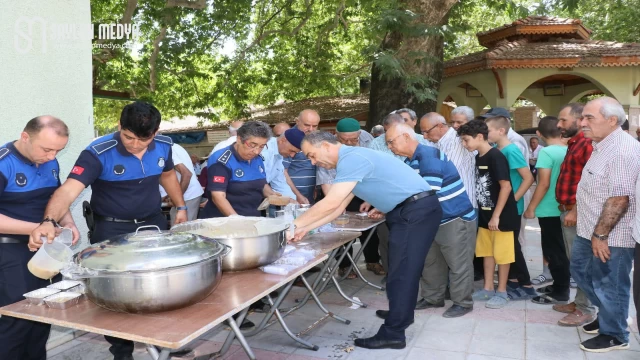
x=263, y=34
x=192, y=4
x=154, y=57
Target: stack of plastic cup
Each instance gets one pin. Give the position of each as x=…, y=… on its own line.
x=51, y=258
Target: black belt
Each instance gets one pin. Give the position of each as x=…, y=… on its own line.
x=416, y=197
x=10, y=240
x=135, y=221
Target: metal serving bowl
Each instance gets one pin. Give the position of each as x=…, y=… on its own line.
x=255, y=241
x=152, y=272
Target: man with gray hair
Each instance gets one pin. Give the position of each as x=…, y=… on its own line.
x=460, y=116
x=603, y=251
x=348, y=132
x=380, y=144
x=434, y=128
x=377, y=131
x=412, y=211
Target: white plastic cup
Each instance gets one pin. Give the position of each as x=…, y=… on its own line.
x=51, y=258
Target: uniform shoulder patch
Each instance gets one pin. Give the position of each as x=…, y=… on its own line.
x=104, y=146
x=4, y=152
x=163, y=139
x=224, y=158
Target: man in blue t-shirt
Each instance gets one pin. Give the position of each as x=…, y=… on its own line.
x=124, y=170
x=454, y=243
x=29, y=174
x=412, y=214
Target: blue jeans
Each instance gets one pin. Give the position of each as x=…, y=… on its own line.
x=607, y=285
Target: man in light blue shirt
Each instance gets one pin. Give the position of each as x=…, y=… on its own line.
x=412, y=211
x=380, y=144
x=277, y=148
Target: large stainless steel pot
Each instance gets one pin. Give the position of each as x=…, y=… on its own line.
x=255, y=241
x=151, y=271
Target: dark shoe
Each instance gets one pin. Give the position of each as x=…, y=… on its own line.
x=123, y=357
x=247, y=324
x=603, y=343
x=424, y=304
x=591, y=328
x=377, y=343
x=477, y=276
x=382, y=314
x=457, y=311
x=545, y=289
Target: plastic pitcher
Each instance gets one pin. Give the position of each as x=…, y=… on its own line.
x=51, y=258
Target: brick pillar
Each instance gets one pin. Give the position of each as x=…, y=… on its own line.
x=525, y=117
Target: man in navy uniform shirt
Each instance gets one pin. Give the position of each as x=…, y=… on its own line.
x=124, y=170
x=413, y=214
x=29, y=174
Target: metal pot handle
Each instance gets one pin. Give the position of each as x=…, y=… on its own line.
x=227, y=249
x=148, y=226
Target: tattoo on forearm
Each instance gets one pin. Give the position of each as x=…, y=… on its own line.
x=612, y=211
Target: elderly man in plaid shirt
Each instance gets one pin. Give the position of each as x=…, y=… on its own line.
x=603, y=251
x=580, y=311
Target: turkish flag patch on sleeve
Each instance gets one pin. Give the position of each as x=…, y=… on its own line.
x=218, y=179
x=78, y=170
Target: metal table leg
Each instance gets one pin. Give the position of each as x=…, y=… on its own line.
x=289, y=332
x=354, y=262
x=240, y=337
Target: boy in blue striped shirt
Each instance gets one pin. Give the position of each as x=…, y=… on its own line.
x=454, y=244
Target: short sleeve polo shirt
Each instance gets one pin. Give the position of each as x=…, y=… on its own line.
x=122, y=185
x=241, y=180
x=25, y=188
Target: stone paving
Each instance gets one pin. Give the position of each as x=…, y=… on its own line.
x=521, y=330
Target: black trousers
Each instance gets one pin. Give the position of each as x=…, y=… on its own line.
x=554, y=250
x=19, y=339
x=519, y=270
x=105, y=230
x=412, y=228
x=370, y=251
x=636, y=282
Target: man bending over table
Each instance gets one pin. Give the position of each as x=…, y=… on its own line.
x=413, y=215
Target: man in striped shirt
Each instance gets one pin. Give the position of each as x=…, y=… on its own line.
x=603, y=251
x=299, y=172
x=434, y=128
x=454, y=243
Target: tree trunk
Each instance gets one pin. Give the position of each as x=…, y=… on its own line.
x=388, y=94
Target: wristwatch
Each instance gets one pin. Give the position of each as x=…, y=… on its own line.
x=600, y=237
x=178, y=208
x=48, y=219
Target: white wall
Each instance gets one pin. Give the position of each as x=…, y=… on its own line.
x=41, y=75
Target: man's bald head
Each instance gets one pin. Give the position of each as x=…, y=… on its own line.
x=280, y=128
x=308, y=121
x=234, y=126
x=35, y=125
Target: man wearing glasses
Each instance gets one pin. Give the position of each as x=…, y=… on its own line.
x=401, y=116
x=237, y=180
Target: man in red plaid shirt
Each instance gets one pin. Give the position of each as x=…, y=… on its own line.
x=581, y=311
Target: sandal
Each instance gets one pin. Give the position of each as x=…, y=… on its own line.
x=545, y=299
x=541, y=279
x=376, y=268
x=343, y=272
x=519, y=294
x=545, y=289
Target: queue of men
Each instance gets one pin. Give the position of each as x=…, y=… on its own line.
x=434, y=189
